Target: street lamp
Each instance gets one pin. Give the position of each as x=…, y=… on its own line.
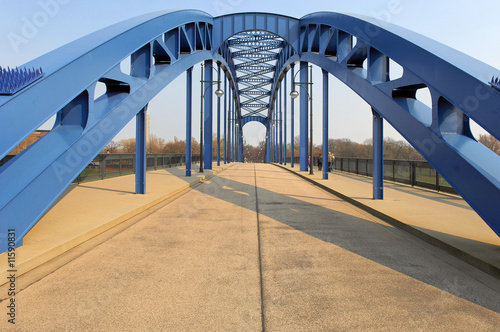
x=294, y=94
x=219, y=93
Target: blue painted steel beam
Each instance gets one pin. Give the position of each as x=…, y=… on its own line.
x=240, y=143
x=140, y=153
x=268, y=143
x=227, y=95
x=285, y=97
x=281, y=123
x=208, y=115
x=218, y=117
x=325, y=125
x=292, y=121
x=189, y=116
x=304, y=121
x=229, y=128
x=378, y=156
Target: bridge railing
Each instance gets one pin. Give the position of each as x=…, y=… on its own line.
x=111, y=164
x=411, y=172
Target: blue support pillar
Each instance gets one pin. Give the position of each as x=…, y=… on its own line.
x=378, y=156
x=233, y=130
x=284, y=117
x=240, y=143
x=274, y=141
x=304, y=123
x=281, y=126
x=325, y=125
x=277, y=132
x=189, y=112
x=236, y=141
x=218, y=119
x=140, y=152
x=268, y=144
x=207, y=125
x=228, y=143
x=226, y=97
x=292, y=123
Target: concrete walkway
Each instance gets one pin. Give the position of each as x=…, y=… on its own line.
x=89, y=209
x=256, y=248
x=444, y=220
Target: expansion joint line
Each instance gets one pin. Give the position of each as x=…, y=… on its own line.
x=263, y=320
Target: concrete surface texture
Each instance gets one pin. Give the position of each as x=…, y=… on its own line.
x=89, y=209
x=257, y=248
x=441, y=218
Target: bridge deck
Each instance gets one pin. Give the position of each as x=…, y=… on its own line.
x=255, y=246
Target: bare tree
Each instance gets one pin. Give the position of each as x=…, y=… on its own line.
x=111, y=147
x=127, y=145
x=490, y=142
x=155, y=144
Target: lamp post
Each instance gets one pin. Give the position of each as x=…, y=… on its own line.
x=294, y=94
x=219, y=93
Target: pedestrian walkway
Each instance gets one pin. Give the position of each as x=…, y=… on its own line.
x=256, y=248
x=89, y=209
x=444, y=220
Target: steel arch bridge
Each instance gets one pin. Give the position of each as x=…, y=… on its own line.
x=255, y=54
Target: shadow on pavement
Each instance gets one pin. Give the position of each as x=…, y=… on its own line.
x=380, y=243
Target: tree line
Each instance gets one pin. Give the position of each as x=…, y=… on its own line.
x=157, y=145
x=341, y=147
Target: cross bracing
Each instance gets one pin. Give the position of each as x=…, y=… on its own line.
x=255, y=54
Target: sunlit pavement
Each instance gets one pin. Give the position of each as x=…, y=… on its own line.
x=258, y=248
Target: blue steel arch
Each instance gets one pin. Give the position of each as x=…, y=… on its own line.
x=164, y=45
x=247, y=119
x=459, y=86
x=161, y=46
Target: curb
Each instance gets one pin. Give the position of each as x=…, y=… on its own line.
x=460, y=254
x=59, y=250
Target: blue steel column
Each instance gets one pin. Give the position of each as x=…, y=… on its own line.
x=218, y=118
x=304, y=124
x=276, y=132
x=292, y=122
x=226, y=96
x=284, y=108
x=268, y=143
x=240, y=142
x=207, y=153
x=228, y=143
x=233, y=128
x=189, y=112
x=325, y=125
x=237, y=141
x=140, y=152
x=378, y=156
x=281, y=125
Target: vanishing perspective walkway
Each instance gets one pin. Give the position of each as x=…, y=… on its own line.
x=253, y=248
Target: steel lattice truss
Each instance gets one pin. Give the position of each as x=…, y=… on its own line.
x=255, y=54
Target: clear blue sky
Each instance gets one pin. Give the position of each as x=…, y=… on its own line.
x=471, y=27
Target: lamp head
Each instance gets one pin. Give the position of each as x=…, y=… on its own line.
x=294, y=94
x=219, y=93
